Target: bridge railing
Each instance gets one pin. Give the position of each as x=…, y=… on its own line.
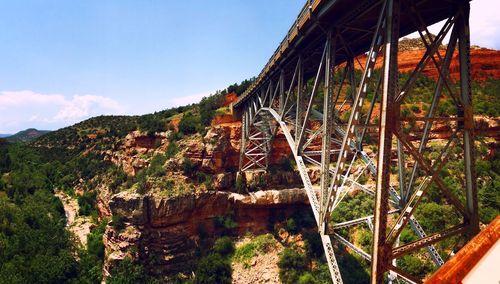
x=302, y=18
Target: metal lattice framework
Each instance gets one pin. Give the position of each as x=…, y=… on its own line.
x=309, y=91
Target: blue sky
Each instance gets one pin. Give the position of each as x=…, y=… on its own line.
x=64, y=61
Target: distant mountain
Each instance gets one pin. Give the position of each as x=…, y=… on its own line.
x=5, y=135
x=26, y=135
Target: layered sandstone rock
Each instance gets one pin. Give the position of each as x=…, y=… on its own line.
x=168, y=229
x=130, y=152
x=485, y=63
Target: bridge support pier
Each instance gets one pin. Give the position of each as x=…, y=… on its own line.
x=357, y=130
x=381, y=255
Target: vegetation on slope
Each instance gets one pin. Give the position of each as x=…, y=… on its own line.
x=102, y=131
x=26, y=135
x=35, y=247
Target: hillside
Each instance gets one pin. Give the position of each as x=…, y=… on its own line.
x=156, y=198
x=485, y=63
x=27, y=135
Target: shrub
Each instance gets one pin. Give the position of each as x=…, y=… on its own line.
x=405, y=112
x=446, y=108
x=189, y=123
x=172, y=149
x=365, y=240
x=86, y=203
x=224, y=246
x=157, y=143
x=156, y=166
x=291, y=264
x=118, y=222
x=291, y=226
x=353, y=270
x=240, y=184
x=142, y=186
x=413, y=264
x=151, y=124
x=261, y=182
x=200, y=177
x=407, y=236
x=306, y=278
x=128, y=272
x=213, y=269
x=209, y=183
x=225, y=222
x=95, y=245
x=313, y=244
x=435, y=217
x=168, y=184
x=188, y=167
x=362, y=179
x=176, y=136
x=260, y=244
x=486, y=98
x=119, y=177
x=207, y=111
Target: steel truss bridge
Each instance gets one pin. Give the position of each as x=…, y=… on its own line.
x=349, y=126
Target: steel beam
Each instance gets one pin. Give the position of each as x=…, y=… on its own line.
x=432, y=109
x=327, y=129
x=468, y=124
x=299, y=102
x=296, y=113
x=381, y=255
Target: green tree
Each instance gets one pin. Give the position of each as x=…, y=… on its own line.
x=291, y=264
x=128, y=272
x=224, y=246
x=188, y=167
x=189, y=123
x=213, y=269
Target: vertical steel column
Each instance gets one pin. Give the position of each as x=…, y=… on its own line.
x=352, y=79
x=300, y=100
x=401, y=169
x=381, y=254
x=262, y=97
x=282, y=91
x=468, y=124
x=433, y=107
x=327, y=130
x=244, y=124
x=310, y=97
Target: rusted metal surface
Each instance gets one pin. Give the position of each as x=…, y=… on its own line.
x=330, y=133
x=356, y=18
x=455, y=269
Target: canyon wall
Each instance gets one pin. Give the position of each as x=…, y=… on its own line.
x=164, y=233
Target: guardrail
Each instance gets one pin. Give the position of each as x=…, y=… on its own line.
x=302, y=18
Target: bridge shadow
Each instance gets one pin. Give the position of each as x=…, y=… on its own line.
x=354, y=270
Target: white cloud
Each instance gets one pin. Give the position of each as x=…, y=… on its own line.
x=484, y=24
x=186, y=100
x=23, y=109
x=82, y=106
x=20, y=98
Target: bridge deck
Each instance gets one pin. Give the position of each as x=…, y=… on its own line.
x=355, y=23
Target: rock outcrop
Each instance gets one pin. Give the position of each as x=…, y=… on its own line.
x=163, y=233
x=485, y=63
x=130, y=152
x=220, y=150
